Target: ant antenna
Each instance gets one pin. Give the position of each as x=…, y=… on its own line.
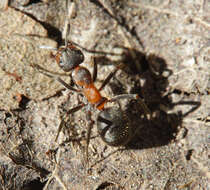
x=70, y=7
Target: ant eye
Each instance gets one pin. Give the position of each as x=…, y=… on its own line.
x=61, y=62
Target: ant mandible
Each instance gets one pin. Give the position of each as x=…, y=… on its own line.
x=112, y=123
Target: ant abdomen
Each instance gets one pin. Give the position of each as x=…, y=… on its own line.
x=114, y=126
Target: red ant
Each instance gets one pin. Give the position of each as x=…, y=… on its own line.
x=113, y=125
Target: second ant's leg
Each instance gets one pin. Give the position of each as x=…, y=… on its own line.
x=136, y=97
x=109, y=77
x=71, y=111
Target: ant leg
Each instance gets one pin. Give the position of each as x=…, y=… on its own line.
x=95, y=69
x=90, y=124
x=38, y=67
x=108, y=78
x=71, y=111
x=55, y=78
x=136, y=97
x=67, y=85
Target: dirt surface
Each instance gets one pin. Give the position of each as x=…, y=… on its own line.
x=165, y=46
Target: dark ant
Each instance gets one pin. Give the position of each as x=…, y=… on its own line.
x=113, y=124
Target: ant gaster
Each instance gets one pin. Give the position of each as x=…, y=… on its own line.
x=112, y=123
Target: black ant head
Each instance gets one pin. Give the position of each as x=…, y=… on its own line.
x=114, y=126
x=69, y=57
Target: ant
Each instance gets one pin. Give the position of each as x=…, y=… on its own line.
x=113, y=124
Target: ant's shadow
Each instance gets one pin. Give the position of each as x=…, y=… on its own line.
x=162, y=128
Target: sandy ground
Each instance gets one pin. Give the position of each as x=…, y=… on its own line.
x=165, y=46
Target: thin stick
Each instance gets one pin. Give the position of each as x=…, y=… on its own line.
x=69, y=14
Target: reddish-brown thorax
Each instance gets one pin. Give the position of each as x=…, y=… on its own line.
x=82, y=78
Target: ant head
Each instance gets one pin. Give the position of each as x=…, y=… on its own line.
x=114, y=126
x=69, y=57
